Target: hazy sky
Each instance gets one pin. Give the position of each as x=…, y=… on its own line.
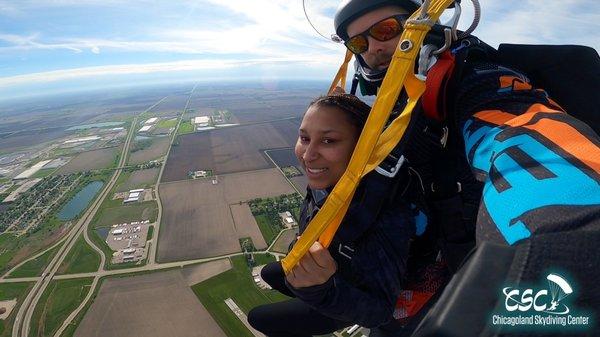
x=53, y=45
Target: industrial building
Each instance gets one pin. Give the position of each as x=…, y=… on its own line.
x=128, y=240
x=133, y=196
x=32, y=170
x=201, y=122
x=145, y=128
x=81, y=140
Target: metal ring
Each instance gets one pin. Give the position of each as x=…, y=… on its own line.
x=406, y=45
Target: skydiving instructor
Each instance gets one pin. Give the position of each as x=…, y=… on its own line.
x=489, y=157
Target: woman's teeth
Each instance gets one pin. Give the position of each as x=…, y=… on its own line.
x=316, y=170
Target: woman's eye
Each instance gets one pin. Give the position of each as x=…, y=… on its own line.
x=304, y=139
x=328, y=141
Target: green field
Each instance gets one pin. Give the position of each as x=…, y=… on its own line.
x=236, y=283
x=36, y=266
x=150, y=233
x=134, y=179
x=7, y=242
x=9, y=291
x=80, y=259
x=260, y=259
x=119, y=213
x=43, y=173
x=57, y=302
x=266, y=212
x=268, y=230
x=167, y=123
x=185, y=127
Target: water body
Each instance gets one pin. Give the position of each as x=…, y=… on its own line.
x=95, y=125
x=103, y=232
x=80, y=201
x=4, y=207
x=140, y=138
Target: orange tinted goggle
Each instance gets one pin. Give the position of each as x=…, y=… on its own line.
x=383, y=30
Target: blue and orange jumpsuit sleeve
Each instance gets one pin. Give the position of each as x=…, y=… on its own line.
x=539, y=165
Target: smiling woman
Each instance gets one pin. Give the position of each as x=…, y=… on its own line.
x=327, y=136
x=356, y=280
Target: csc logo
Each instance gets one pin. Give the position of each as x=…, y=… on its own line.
x=544, y=300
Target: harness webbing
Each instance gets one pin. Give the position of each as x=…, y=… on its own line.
x=374, y=144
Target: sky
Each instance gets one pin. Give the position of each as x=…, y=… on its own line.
x=53, y=46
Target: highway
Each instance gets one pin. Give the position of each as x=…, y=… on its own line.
x=153, y=245
x=25, y=313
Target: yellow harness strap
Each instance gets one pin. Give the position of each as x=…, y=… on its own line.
x=340, y=77
x=373, y=146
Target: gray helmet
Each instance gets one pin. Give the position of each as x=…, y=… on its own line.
x=349, y=10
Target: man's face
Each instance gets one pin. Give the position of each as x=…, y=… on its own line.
x=379, y=54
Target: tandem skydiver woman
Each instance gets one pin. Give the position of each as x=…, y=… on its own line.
x=357, y=279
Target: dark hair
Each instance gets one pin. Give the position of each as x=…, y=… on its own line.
x=356, y=110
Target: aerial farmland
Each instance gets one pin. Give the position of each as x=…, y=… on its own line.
x=199, y=220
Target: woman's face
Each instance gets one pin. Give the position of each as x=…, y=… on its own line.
x=325, y=143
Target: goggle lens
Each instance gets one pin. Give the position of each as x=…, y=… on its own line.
x=384, y=30
x=358, y=44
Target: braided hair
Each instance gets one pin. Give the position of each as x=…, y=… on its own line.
x=355, y=110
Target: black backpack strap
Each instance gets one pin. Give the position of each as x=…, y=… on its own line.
x=452, y=194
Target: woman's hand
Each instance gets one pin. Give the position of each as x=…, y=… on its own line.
x=315, y=268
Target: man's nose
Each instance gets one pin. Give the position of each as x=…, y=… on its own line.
x=374, y=45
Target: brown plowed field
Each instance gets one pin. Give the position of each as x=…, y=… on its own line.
x=152, y=305
x=283, y=243
x=197, y=273
x=300, y=182
x=288, y=129
x=238, y=149
x=246, y=225
x=228, y=150
x=189, y=153
x=139, y=179
x=91, y=160
x=197, y=219
x=158, y=148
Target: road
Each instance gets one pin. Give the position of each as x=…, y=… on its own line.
x=23, y=317
x=153, y=245
x=25, y=313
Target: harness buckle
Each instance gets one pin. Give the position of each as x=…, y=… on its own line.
x=390, y=166
x=346, y=251
x=458, y=187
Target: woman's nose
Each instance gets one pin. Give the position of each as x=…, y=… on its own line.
x=310, y=152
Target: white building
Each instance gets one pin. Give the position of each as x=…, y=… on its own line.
x=128, y=200
x=32, y=170
x=81, y=140
x=145, y=128
x=151, y=120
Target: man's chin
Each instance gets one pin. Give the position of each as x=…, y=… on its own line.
x=383, y=66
